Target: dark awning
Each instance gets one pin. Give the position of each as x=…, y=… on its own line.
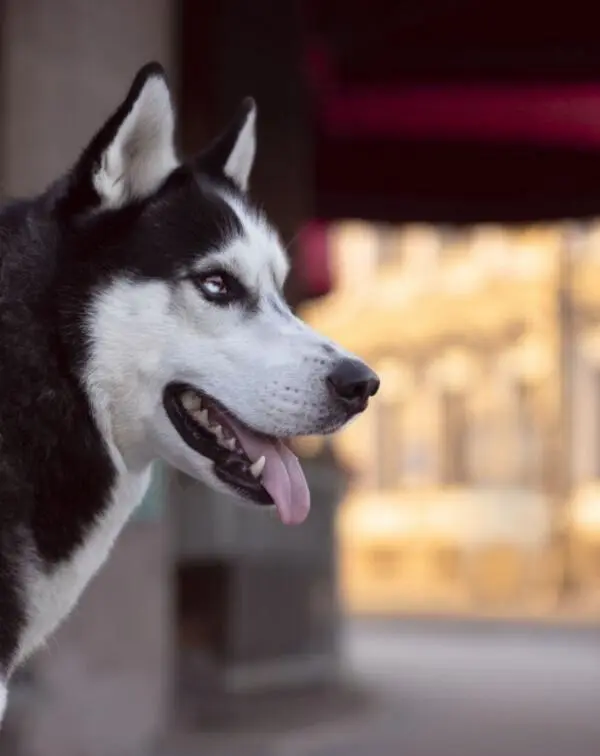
x=457, y=111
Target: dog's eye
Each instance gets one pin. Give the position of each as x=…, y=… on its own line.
x=215, y=286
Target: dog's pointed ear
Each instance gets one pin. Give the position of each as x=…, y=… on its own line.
x=231, y=154
x=133, y=152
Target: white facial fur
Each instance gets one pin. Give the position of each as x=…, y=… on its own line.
x=266, y=366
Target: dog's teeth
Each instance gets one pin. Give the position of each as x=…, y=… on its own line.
x=228, y=443
x=191, y=401
x=202, y=417
x=218, y=431
x=257, y=467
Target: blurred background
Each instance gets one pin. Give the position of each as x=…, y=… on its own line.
x=435, y=168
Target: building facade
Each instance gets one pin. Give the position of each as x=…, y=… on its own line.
x=475, y=474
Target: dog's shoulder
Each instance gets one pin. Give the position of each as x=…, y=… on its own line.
x=55, y=470
x=27, y=251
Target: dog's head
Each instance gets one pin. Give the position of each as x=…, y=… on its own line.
x=192, y=354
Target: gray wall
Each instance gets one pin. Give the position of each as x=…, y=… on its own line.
x=65, y=64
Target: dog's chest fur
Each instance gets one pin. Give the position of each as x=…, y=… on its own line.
x=50, y=595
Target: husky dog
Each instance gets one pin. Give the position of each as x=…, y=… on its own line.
x=142, y=318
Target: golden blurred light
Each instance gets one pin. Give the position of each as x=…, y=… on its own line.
x=308, y=446
x=530, y=360
x=354, y=247
x=585, y=510
x=355, y=444
x=590, y=343
x=455, y=369
x=376, y=517
x=490, y=247
x=463, y=326
x=396, y=379
x=419, y=246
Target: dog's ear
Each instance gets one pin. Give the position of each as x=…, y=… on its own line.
x=231, y=154
x=133, y=152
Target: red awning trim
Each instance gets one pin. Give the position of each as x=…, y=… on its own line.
x=313, y=260
x=543, y=114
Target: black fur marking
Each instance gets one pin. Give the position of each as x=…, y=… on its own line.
x=54, y=471
x=12, y=608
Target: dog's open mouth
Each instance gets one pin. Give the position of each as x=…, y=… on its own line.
x=258, y=467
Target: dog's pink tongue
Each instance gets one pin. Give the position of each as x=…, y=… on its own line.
x=282, y=476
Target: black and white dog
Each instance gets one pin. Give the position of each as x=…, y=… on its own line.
x=142, y=317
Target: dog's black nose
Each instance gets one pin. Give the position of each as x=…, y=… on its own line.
x=353, y=382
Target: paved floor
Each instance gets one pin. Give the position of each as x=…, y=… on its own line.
x=449, y=689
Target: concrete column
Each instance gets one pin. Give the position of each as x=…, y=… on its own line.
x=65, y=64
x=100, y=687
